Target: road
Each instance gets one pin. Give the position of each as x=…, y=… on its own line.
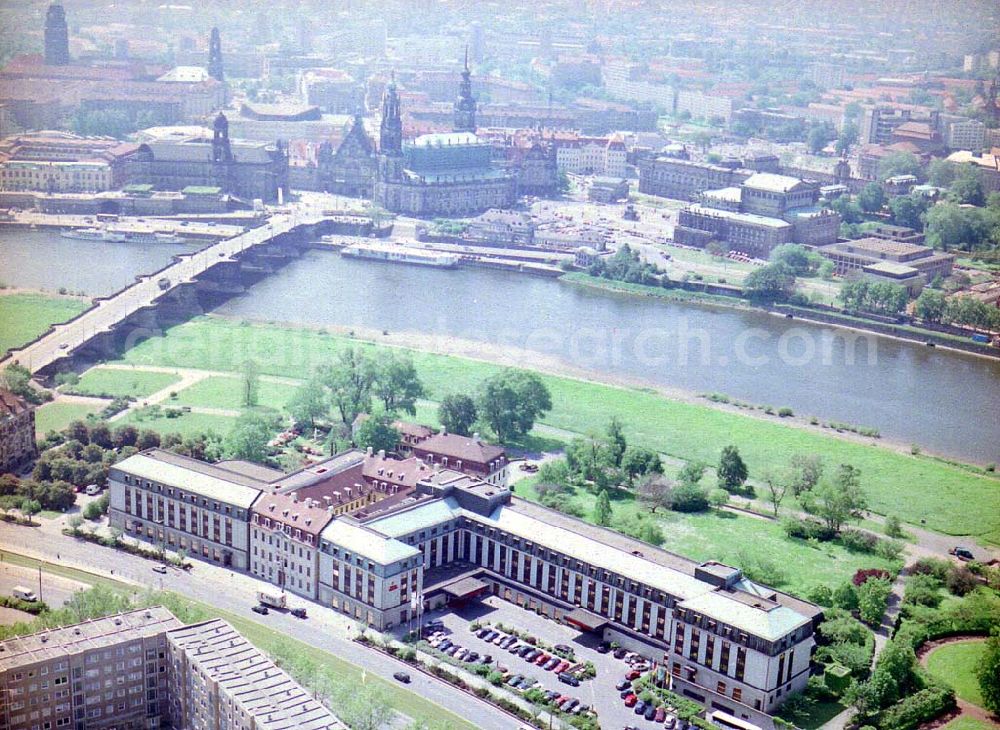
x=236, y=593
x=56, y=590
x=108, y=312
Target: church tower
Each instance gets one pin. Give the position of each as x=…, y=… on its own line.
x=391, y=129
x=465, y=104
x=56, y=37
x=222, y=152
x=215, y=56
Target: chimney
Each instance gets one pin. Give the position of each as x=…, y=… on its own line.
x=381, y=453
x=369, y=451
x=327, y=499
x=295, y=497
x=475, y=437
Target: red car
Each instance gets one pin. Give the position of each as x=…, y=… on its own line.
x=631, y=700
x=561, y=667
x=660, y=715
x=542, y=659
x=634, y=674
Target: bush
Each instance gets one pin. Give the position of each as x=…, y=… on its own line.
x=960, y=580
x=920, y=707
x=807, y=529
x=873, y=599
x=837, y=678
x=922, y=589
x=864, y=575
x=938, y=567
x=889, y=549
x=785, y=412
x=859, y=540
x=821, y=595
x=689, y=498
x=845, y=597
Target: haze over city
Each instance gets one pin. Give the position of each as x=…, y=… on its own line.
x=484, y=366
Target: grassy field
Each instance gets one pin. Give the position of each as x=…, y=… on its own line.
x=185, y=424
x=955, y=664
x=111, y=383
x=951, y=499
x=751, y=542
x=25, y=316
x=56, y=416
x=271, y=642
x=225, y=392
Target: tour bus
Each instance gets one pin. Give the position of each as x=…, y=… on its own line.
x=729, y=722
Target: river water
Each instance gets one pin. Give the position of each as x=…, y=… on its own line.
x=946, y=402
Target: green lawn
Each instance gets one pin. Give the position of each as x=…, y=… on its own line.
x=186, y=424
x=968, y=723
x=111, y=383
x=276, y=644
x=955, y=664
x=953, y=500
x=225, y=392
x=25, y=316
x=56, y=416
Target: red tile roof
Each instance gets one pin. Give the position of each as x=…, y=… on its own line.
x=12, y=405
x=468, y=449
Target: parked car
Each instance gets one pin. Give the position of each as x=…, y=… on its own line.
x=515, y=678
x=568, y=679
x=299, y=612
x=445, y=644
x=620, y=653
x=482, y=633
x=472, y=657
x=624, y=684
x=669, y=722
x=401, y=677
x=630, y=700
x=565, y=703
x=660, y=715
x=550, y=694
x=551, y=664
x=650, y=712
x=603, y=648
x=561, y=666
x=541, y=659
x=564, y=649
x=499, y=639
x=569, y=706
x=160, y=568
x=262, y=610
x=633, y=674
x=640, y=707
x=487, y=659
x=461, y=653
x=962, y=553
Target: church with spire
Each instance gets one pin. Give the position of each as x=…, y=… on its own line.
x=451, y=174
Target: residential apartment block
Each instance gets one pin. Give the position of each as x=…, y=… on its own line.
x=17, y=431
x=105, y=674
x=144, y=669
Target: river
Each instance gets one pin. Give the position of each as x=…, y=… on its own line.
x=945, y=402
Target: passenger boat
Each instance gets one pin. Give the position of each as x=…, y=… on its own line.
x=401, y=255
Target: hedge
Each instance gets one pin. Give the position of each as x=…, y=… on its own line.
x=918, y=708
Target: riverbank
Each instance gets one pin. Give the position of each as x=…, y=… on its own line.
x=952, y=499
x=732, y=299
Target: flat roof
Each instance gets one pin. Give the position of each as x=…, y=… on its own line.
x=366, y=542
x=770, y=623
x=464, y=587
x=86, y=636
x=750, y=218
x=585, y=619
x=194, y=476
x=772, y=182
x=421, y=517
x=243, y=673
x=891, y=268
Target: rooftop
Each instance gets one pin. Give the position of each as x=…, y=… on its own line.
x=879, y=246
x=12, y=405
x=770, y=621
x=467, y=448
x=359, y=539
x=275, y=701
x=771, y=182
x=748, y=218
x=207, y=480
x=443, y=139
x=87, y=636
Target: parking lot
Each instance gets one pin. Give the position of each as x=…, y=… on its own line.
x=599, y=693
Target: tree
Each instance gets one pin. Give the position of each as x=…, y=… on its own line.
x=930, y=305
x=616, y=441
x=350, y=380
x=689, y=497
x=378, y=434
x=78, y=431
x=873, y=598
x=457, y=413
x=250, y=384
x=771, y=282
x=941, y=173
x=871, y=198
x=951, y=226
x=988, y=672
x=799, y=259
x=718, y=498
x=778, y=484
x=839, y=499
x=907, y=210
x=848, y=136
x=250, y=435
x=819, y=137
x=893, y=527
x=602, y=509
x=308, y=403
x=847, y=209
x=732, y=471
x=898, y=163
x=147, y=439
x=510, y=402
x=654, y=492
x=639, y=461
x=692, y=472
x=967, y=187
x=396, y=383
x=125, y=435
x=75, y=522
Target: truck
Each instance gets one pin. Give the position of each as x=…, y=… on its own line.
x=24, y=594
x=274, y=600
